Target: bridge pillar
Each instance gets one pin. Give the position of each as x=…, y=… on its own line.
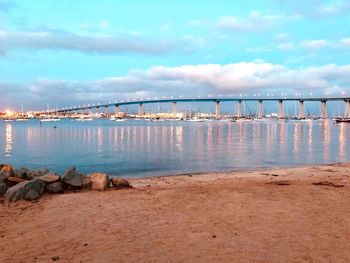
x=106, y=110
x=301, y=110
x=141, y=112
x=260, y=109
x=174, y=109
x=239, y=109
x=116, y=111
x=97, y=110
x=323, y=109
x=217, y=109
x=280, y=109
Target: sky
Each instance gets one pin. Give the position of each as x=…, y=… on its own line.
x=69, y=53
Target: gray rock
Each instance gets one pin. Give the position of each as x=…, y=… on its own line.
x=86, y=182
x=3, y=188
x=21, y=173
x=120, y=182
x=49, y=178
x=37, y=173
x=72, y=178
x=54, y=188
x=29, y=190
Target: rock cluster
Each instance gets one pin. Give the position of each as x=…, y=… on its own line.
x=25, y=184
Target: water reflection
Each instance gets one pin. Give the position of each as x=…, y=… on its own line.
x=8, y=140
x=136, y=148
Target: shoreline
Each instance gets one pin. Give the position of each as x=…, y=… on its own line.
x=292, y=214
x=231, y=174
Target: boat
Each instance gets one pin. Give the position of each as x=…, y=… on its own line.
x=261, y=119
x=84, y=119
x=49, y=120
x=195, y=119
x=338, y=120
x=305, y=120
x=22, y=119
x=120, y=120
x=244, y=119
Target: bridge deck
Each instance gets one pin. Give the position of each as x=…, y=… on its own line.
x=224, y=99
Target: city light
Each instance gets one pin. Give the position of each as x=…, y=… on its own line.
x=8, y=113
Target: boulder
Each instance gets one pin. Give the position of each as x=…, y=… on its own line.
x=5, y=172
x=37, y=173
x=12, y=180
x=3, y=188
x=29, y=190
x=72, y=178
x=49, y=178
x=22, y=173
x=86, y=182
x=99, y=181
x=119, y=182
x=54, y=188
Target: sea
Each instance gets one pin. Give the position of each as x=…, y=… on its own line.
x=140, y=148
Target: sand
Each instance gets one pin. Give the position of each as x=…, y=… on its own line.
x=279, y=215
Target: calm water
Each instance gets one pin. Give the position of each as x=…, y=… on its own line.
x=141, y=148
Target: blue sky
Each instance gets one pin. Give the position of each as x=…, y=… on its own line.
x=75, y=52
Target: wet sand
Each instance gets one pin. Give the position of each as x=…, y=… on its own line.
x=276, y=215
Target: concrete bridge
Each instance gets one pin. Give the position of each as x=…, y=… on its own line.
x=217, y=100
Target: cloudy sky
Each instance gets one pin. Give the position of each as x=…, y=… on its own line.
x=75, y=52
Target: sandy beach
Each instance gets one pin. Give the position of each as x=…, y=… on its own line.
x=271, y=215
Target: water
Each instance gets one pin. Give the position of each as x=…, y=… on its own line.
x=143, y=148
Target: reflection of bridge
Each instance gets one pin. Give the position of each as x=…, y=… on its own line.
x=217, y=101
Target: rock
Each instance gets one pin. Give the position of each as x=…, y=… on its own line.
x=86, y=182
x=72, y=178
x=12, y=180
x=119, y=182
x=3, y=188
x=49, y=178
x=22, y=173
x=99, y=181
x=5, y=172
x=54, y=188
x=37, y=173
x=29, y=190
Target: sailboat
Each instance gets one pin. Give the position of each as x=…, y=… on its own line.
x=23, y=118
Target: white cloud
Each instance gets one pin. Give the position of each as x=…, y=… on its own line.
x=184, y=80
x=345, y=42
x=253, y=23
x=315, y=44
x=100, y=44
x=316, y=9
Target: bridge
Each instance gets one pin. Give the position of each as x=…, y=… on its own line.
x=217, y=100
